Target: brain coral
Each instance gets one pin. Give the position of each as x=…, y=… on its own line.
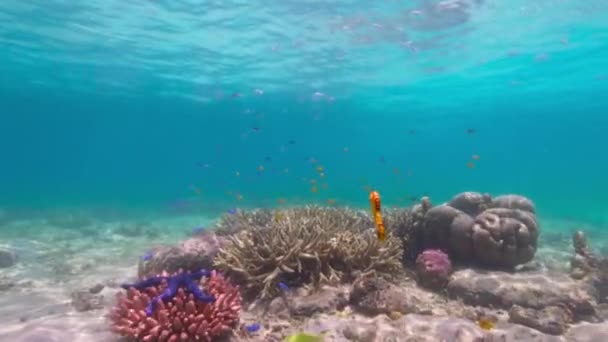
x=501, y=232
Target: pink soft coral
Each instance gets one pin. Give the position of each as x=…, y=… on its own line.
x=433, y=268
x=181, y=318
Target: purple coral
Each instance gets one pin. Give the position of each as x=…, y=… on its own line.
x=433, y=268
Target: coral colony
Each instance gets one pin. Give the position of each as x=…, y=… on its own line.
x=433, y=268
x=179, y=280
x=174, y=308
x=331, y=259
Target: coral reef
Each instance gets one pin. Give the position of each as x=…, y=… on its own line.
x=433, y=268
x=191, y=255
x=180, y=315
x=308, y=245
x=473, y=227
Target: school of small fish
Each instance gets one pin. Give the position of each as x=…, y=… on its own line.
x=318, y=183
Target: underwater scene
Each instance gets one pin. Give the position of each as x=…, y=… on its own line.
x=340, y=170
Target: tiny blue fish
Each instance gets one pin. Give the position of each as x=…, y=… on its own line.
x=147, y=256
x=232, y=211
x=283, y=286
x=197, y=230
x=251, y=328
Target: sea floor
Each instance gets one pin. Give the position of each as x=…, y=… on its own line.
x=67, y=273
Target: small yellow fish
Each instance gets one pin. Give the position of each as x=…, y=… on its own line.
x=279, y=216
x=331, y=201
x=314, y=189
x=486, y=323
x=395, y=315
x=320, y=168
x=304, y=337
x=239, y=197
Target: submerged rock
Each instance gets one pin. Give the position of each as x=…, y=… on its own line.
x=84, y=300
x=327, y=299
x=586, y=332
x=7, y=258
x=551, y=320
x=534, y=290
x=375, y=296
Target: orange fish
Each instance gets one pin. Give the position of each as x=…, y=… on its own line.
x=374, y=200
x=331, y=201
x=471, y=165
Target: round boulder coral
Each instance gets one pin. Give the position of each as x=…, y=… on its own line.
x=473, y=227
x=142, y=315
x=505, y=237
x=433, y=268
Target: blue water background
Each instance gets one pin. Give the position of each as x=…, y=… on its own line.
x=153, y=104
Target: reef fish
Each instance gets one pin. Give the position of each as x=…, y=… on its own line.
x=304, y=337
x=374, y=200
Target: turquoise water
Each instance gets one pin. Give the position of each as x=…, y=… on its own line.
x=156, y=105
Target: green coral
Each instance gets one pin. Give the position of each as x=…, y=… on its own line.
x=308, y=246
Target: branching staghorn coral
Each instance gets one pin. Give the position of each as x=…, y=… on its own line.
x=230, y=224
x=308, y=246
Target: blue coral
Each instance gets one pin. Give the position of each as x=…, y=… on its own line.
x=174, y=282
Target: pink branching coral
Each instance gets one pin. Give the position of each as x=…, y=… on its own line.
x=180, y=318
x=433, y=268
